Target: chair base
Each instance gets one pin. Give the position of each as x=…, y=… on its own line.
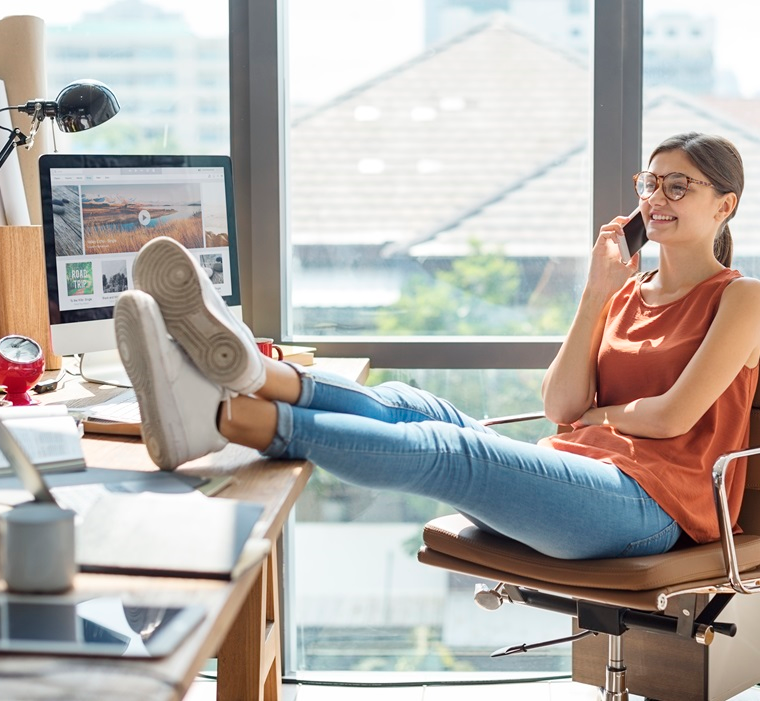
x=672, y=668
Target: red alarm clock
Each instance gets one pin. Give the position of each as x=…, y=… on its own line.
x=22, y=363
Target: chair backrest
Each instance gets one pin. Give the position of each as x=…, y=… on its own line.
x=749, y=517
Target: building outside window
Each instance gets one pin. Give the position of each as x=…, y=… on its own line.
x=157, y=57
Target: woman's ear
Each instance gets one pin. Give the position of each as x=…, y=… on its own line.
x=727, y=205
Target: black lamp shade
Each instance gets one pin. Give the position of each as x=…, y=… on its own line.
x=84, y=104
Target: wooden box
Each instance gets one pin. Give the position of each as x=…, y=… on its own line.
x=23, y=288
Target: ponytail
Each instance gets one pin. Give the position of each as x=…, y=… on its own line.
x=723, y=247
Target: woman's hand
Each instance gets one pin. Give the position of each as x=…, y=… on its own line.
x=607, y=272
x=593, y=416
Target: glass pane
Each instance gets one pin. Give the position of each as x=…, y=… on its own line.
x=166, y=61
x=362, y=602
x=426, y=139
x=700, y=75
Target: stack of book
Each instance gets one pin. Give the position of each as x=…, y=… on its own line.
x=303, y=355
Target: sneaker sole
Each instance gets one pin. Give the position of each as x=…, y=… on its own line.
x=168, y=273
x=131, y=321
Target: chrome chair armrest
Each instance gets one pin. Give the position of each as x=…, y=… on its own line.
x=724, y=519
x=514, y=418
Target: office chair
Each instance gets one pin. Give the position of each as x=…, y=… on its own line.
x=667, y=606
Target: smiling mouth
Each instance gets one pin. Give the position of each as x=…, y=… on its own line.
x=662, y=217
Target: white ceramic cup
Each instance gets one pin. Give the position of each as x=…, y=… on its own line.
x=38, y=548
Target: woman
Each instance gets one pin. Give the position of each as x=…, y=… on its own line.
x=656, y=375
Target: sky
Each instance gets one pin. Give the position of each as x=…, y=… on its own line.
x=736, y=23
x=202, y=20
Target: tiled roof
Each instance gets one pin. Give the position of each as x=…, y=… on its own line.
x=483, y=137
x=527, y=222
x=742, y=110
x=409, y=151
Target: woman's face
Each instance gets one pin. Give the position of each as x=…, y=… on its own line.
x=695, y=217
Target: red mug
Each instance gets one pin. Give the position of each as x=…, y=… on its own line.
x=269, y=348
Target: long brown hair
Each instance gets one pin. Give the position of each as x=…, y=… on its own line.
x=720, y=162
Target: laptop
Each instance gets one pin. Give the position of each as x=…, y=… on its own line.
x=152, y=533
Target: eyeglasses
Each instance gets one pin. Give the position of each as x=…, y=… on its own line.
x=674, y=185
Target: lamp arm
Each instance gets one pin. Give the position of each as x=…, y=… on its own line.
x=16, y=138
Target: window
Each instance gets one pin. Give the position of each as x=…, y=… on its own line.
x=418, y=171
x=418, y=175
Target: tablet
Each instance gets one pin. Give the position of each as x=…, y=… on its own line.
x=103, y=626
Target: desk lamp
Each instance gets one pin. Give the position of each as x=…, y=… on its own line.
x=81, y=105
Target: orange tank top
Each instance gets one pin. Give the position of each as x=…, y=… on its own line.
x=643, y=351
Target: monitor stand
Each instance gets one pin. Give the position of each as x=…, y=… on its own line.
x=104, y=367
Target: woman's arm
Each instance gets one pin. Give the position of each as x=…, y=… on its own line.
x=732, y=342
x=569, y=386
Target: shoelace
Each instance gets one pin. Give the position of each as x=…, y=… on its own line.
x=227, y=396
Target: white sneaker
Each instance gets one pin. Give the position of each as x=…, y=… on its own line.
x=178, y=406
x=222, y=347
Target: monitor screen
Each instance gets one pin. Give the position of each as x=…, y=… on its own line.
x=99, y=210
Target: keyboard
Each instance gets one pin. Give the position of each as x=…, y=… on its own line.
x=121, y=408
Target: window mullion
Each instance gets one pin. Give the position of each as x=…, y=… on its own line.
x=616, y=114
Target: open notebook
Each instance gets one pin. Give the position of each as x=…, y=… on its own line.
x=157, y=532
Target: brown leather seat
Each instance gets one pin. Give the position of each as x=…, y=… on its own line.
x=452, y=542
x=682, y=593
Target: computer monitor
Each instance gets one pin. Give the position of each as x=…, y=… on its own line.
x=98, y=211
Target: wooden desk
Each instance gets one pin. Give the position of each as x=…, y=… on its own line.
x=242, y=626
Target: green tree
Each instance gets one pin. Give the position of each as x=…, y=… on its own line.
x=454, y=301
x=483, y=293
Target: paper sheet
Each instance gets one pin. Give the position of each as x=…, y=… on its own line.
x=14, y=210
x=22, y=68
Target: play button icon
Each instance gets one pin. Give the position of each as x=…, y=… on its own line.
x=144, y=217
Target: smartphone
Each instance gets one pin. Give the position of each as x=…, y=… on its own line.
x=635, y=236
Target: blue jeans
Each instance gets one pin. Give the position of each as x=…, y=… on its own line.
x=400, y=438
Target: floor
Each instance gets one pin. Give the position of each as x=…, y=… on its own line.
x=538, y=691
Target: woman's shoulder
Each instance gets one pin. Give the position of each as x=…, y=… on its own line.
x=742, y=292
x=737, y=281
